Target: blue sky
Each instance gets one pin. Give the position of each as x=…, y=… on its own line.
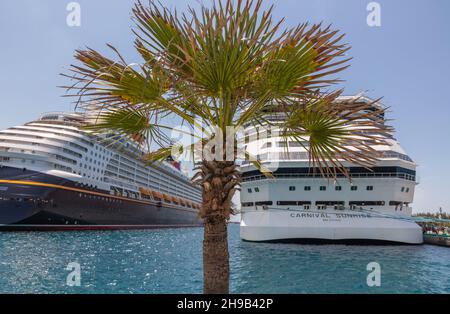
x=406, y=60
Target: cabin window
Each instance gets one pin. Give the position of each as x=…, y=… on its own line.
x=330, y=203
x=263, y=203
x=323, y=188
x=367, y=203
x=403, y=189
x=281, y=144
x=267, y=145
x=292, y=188
x=307, y=188
x=287, y=203
x=338, y=188
x=369, y=188
x=407, y=190
x=256, y=189
x=249, y=190
x=354, y=188
x=295, y=144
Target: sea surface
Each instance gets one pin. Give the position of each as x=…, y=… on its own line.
x=170, y=261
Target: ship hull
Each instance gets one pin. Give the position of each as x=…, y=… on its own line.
x=36, y=201
x=331, y=226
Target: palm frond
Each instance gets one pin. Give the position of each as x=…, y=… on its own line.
x=162, y=32
x=228, y=65
x=339, y=131
x=158, y=155
x=105, y=81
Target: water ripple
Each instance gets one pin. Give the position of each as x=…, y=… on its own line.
x=170, y=261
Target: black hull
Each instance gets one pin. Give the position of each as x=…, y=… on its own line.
x=35, y=201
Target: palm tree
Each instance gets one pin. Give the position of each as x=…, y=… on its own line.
x=225, y=66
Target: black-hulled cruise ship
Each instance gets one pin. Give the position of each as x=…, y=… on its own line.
x=55, y=175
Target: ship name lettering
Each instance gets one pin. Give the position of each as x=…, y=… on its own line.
x=309, y=215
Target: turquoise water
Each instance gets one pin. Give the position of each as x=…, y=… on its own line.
x=169, y=261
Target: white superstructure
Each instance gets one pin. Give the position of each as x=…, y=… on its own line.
x=299, y=203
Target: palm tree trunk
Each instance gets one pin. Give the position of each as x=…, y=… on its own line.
x=216, y=268
x=219, y=180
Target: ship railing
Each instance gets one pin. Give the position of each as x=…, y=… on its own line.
x=120, y=183
x=304, y=156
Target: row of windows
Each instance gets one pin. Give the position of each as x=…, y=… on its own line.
x=354, y=172
x=100, y=198
x=91, y=168
x=58, y=157
x=95, y=161
x=324, y=188
x=33, y=143
x=62, y=168
x=24, y=161
x=40, y=128
x=94, y=154
x=86, y=175
x=64, y=150
x=307, y=204
x=285, y=144
x=24, y=199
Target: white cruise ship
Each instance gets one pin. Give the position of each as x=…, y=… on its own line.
x=56, y=175
x=300, y=205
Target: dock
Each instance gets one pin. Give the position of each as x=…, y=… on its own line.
x=436, y=239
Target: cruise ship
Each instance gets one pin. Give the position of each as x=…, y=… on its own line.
x=55, y=175
x=299, y=205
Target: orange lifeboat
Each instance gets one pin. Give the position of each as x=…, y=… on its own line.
x=167, y=198
x=175, y=200
x=158, y=195
x=145, y=191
